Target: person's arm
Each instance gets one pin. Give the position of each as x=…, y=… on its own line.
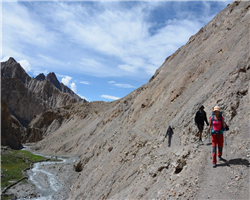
x=206, y=118
x=224, y=124
x=195, y=118
x=165, y=136
x=209, y=126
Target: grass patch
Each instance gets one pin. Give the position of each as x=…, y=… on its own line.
x=27, y=155
x=12, y=167
x=6, y=197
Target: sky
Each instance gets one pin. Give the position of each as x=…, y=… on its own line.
x=102, y=50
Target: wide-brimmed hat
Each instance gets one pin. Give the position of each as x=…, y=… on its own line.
x=202, y=107
x=217, y=108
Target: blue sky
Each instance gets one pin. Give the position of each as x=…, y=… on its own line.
x=101, y=50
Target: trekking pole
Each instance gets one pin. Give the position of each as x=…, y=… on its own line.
x=225, y=141
x=209, y=135
x=209, y=138
x=211, y=152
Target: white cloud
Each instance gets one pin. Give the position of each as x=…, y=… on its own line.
x=5, y=59
x=89, y=62
x=25, y=64
x=66, y=80
x=124, y=85
x=124, y=34
x=128, y=68
x=85, y=82
x=150, y=69
x=116, y=38
x=96, y=68
x=21, y=27
x=110, y=97
x=207, y=7
x=48, y=61
x=121, y=85
x=60, y=75
x=73, y=87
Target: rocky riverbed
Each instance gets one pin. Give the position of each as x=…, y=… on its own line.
x=47, y=180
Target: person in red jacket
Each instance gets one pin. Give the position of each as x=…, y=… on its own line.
x=216, y=125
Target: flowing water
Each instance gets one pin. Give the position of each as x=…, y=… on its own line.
x=48, y=177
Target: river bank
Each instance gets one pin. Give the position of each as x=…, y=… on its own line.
x=47, y=180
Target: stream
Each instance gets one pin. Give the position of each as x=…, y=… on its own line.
x=52, y=179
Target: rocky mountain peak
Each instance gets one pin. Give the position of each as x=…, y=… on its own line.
x=12, y=69
x=51, y=77
x=35, y=95
x=40, y=77
x=11, y=61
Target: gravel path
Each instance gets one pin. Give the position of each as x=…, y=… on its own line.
x=230, y=179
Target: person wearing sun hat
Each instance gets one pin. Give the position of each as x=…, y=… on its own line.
x=216, y=125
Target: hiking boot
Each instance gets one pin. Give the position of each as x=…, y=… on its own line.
x=214, y=165
x=200, y=141
x=220, y=159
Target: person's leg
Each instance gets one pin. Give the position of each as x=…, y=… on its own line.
x=200, y=127
x=220, y=145
x=214, y=144
x=169, y=140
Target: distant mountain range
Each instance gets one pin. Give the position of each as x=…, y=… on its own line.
x=27, y=97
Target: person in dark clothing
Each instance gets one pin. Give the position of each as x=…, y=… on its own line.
x=199, y=119
x=169, y=133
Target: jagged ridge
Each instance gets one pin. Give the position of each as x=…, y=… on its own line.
x=27, y=97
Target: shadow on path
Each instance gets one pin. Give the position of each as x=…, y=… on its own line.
x=236, y=161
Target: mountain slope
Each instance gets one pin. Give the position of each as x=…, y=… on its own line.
x=11, y=129
x=120, y=144
x=40, y=94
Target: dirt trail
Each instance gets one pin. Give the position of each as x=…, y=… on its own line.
x=229, y=180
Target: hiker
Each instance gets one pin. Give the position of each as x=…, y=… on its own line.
x=169, y=133
x=216, y=125
x=199, y=119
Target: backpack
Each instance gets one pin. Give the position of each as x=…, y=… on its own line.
x=220, y=118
